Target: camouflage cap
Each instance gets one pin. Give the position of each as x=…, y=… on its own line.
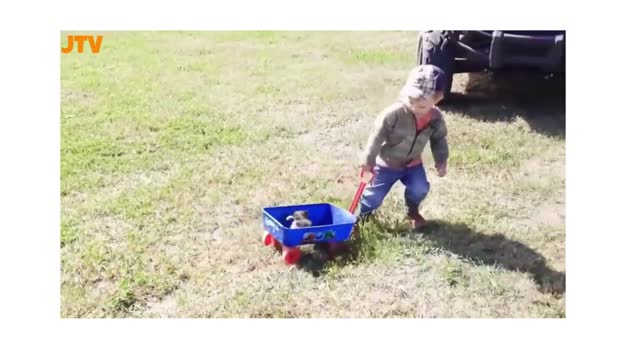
x=424, y=80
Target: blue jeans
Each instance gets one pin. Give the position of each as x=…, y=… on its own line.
x=414, y=179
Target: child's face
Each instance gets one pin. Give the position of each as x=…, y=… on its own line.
x=423, y=106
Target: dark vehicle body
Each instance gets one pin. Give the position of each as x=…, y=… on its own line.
x=494, y=51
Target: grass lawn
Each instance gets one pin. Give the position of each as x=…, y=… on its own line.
x=172, y=142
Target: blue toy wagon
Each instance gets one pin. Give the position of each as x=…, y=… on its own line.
x=330, y=224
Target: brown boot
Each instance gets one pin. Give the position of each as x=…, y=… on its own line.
x=417, y=221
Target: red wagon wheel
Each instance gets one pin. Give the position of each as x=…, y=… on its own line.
x=268, y=239
x=291, y=255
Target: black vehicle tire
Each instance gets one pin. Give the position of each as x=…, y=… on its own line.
x=435, y=47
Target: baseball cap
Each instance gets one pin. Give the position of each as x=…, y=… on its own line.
x=424, y=80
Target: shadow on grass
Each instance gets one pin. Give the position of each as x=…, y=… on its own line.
x=315, y=262
x=488, y=249
x=372, y=241
x=541, y=103
x=494, y=249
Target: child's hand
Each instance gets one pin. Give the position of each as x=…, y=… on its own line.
x=442, y=169
x=366, y=173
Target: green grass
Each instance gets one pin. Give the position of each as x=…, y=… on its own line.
x=453, y=273
x=172, y=142
x=375, y=57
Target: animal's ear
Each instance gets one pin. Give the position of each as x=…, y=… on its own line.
x=305, y=213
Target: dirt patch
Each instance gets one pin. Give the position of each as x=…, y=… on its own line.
x=164, y=307
x=551, y=168
x=111, y=229
x=101, y=288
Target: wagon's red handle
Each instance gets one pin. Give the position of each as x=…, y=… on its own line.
x=356, y=199
x=361, y=187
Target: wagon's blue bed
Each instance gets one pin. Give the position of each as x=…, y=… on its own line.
x=331, y=224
